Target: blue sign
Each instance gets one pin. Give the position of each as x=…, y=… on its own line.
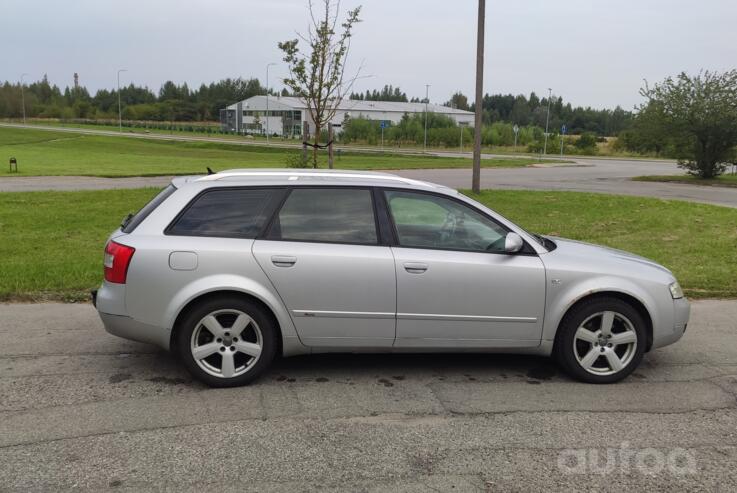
x=563, y=129
x=384, y=123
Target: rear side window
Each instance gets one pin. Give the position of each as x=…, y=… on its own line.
x=238, y=213
x=333, y=215
x=130, y=224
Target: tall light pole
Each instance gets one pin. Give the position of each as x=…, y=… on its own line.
x=267, y=101
x=476, y=177
x=120, y=111
x=547, y=122
x=23, y=97
x=427, y=100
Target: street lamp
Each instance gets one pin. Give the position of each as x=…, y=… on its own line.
x=23, y=97
x=477, y=120
x=427, y=100
x=267, y=101
x=547, y=122
x=120, y=112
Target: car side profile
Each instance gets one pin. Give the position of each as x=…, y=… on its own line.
x=230, y=269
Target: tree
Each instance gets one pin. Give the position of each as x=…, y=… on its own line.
x=458, y=100
x=700, y=112
x=316, y=75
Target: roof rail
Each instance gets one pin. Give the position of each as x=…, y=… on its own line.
x=294, y=175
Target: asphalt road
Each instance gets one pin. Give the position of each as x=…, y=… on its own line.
x=588, y=175
x=82, y=409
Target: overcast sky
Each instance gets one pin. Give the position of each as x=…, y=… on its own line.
x=591, y=52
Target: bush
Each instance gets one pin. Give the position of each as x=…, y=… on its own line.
x=586, y=143
x=296, y=160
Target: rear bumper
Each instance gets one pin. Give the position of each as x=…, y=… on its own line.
x=128, y=328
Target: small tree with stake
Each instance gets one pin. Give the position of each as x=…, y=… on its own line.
x=700, y=114
x=317, y=75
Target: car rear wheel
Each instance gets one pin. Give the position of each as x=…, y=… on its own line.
x=227, y=342
x=601, y=341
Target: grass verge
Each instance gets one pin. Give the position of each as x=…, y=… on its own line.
x=51, y=242
x=50, y=153
x=729, y=181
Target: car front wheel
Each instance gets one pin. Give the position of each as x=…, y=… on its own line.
x=601, y=340
x=227, y=342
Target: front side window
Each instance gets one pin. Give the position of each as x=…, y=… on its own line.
x=240, y=213
x=429, y=221
x=334, y=215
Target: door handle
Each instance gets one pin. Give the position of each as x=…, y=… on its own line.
x=415, y=267
x=283, y=260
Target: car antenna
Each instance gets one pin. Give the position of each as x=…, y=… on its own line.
x=209, y=171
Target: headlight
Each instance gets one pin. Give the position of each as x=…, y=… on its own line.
x=675, y=290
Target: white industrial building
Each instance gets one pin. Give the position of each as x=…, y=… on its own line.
x=285, y=115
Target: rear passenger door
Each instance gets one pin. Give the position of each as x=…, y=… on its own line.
x=327, y=259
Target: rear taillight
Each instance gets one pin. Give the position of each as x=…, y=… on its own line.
x=117, y=259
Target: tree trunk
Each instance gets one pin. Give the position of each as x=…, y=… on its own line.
x=330, y=145
x=305, y=138
x=315, y=149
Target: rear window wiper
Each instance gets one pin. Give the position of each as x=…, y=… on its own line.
x=127, y=220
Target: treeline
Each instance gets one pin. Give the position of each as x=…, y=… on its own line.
x=173, y=102
x=525, y=111
x=442, y=131
x=387, y=93
x=533, y=110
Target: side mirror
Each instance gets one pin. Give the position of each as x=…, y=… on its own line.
x=513, y=243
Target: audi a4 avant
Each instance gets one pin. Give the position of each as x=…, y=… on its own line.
x=231, y=269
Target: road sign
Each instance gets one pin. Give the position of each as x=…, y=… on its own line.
x=563, y=129
x=515, y=129
x=384, y=124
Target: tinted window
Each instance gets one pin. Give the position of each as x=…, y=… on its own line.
x=147, y=209
x=429, y=221
x=238, y=213
x=340, y=215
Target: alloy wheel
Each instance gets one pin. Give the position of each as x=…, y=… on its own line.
x=226, y=343
x=605, y=343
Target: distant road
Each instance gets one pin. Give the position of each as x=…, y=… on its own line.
x=601, y=175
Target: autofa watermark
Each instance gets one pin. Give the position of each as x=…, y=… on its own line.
x=649, y=461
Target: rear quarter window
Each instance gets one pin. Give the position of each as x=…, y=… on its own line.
x=229, y=213
x=147, y=209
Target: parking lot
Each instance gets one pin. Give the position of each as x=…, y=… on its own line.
x=82, y=409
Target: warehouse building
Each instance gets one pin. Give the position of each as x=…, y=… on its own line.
x=285, y=115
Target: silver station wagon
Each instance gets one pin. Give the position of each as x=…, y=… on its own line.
x=230, y=269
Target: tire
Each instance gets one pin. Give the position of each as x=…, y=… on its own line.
x=583, y=349
x=227, y=342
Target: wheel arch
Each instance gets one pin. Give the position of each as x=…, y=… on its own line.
x=628, y=298
x=192, y=304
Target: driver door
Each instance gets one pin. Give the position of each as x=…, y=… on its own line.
x=456, y=286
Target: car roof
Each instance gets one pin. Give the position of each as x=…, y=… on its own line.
x=305, y=177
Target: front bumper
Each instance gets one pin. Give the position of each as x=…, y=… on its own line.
x=681, y=314
x=128, y=328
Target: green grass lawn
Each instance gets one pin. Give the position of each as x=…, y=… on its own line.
x=51, y=242
x=48, y=153
x=720, y=181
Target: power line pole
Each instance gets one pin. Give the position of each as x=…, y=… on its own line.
x=23, y=97
x=120, y=111
x=547, y=122
x=267, y=101
x=427, y=100
x=476, y=179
